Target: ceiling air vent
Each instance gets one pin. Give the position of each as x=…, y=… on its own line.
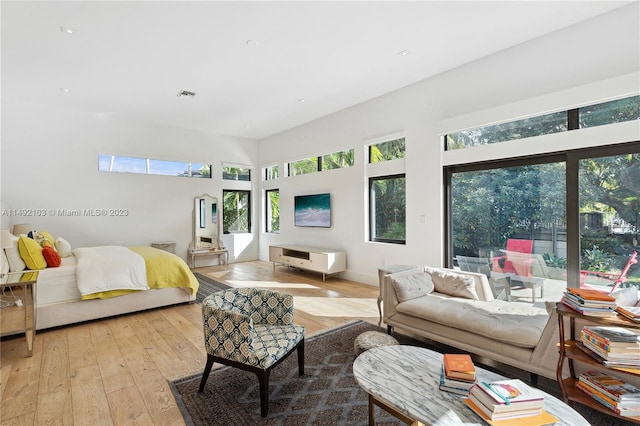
x=186, y=94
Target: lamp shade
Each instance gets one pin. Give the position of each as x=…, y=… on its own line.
x=5, y=239
x=21, y=228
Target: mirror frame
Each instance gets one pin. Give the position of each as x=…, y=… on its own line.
x=200, y=206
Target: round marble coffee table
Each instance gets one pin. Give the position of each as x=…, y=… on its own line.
x=404, y=380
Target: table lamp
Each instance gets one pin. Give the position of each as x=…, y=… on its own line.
x=22, y=228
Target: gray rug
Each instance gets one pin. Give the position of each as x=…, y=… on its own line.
x=207, y=286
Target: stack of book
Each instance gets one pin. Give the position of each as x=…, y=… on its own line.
x=612, y=346
x=506, y=399
x=622, y=398
x=590, y=302
x=458, y=373
x=630, y=312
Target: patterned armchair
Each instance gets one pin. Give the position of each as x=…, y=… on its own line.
x=252, y=330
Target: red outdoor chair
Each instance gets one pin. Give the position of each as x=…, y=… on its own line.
x=513, y=245
x=617, y=280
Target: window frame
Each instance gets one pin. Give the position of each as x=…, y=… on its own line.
x=148, y=166
x=268, y=211
x=571, y=158
x=372, y=180
x=249, y=212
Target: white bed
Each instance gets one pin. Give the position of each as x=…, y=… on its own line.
x=59, y=299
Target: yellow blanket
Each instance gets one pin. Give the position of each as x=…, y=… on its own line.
x=164, y=270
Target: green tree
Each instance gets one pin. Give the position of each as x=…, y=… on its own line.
x=612, y=183
x=385, y=151
x=337, y=160
x=235, y=211
x=390, y=201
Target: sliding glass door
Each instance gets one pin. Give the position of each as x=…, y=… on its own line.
x=609, y=220
x=534, y=226
x=510, y=223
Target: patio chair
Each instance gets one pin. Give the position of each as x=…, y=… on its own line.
x=616, y=280
x=504, y=263
x=253, y=330
x=500, y=283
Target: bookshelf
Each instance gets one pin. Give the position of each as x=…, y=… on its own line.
x=571, y=353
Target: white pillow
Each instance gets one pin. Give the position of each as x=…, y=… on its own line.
x=5, y=263
x=63, y=247
x=454, y=284
x=16, y=264
x=412, y=286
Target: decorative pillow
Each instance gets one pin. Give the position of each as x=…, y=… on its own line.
x=63, y=247
x=626, y=296
x=5, y=263
x=412, y=286
x=47, y=237
x=31, y=253
x=51, y=257
x=16, y=264
x=454, y=284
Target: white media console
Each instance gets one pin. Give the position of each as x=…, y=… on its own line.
x=310, y=258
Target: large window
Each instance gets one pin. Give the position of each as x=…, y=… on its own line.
x=388, y=150
x=387, y=209
x=510, y=223
x=271, y=172
x=272, y=210
x=335, y=160
x=236, y=214
x=536, y=225
x=149, y=166
x=610, y=112
x=303, y=167
x=236, y=173
x=609, y=218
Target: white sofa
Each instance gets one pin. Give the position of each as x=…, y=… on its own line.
x=469, y=318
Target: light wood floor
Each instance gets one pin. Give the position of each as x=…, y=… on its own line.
x=115, y=371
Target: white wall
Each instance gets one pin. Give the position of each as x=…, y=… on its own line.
x=50, y=162
x=587, y=62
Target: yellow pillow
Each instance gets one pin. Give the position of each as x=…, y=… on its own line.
x=31, y=253
x=48, y=237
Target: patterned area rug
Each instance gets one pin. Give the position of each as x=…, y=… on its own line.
x=207, y=286
x=327, y=394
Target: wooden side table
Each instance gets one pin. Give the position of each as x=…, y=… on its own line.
x=20, y=317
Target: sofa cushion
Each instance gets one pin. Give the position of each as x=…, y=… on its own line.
x=626, y=296
x=517, y=324
x=454, y=284
x=412, y=285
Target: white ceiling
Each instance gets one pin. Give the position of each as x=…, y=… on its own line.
x=252, y=63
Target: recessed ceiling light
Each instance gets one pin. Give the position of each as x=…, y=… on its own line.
x=301, y=100
x=67, y=30
x=252, y=43
x=403, y=53
x=247, y=126
x=186, y=94
x=64, y=90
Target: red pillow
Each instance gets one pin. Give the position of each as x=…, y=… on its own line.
x=51, y=256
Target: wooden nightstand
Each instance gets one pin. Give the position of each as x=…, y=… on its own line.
x=21, y=317
x=169, y=246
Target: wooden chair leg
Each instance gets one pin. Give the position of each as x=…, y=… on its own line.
x=205, y=375
x=263, y=379
x=301, y=358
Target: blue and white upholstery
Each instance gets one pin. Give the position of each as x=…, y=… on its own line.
x=251, y=329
